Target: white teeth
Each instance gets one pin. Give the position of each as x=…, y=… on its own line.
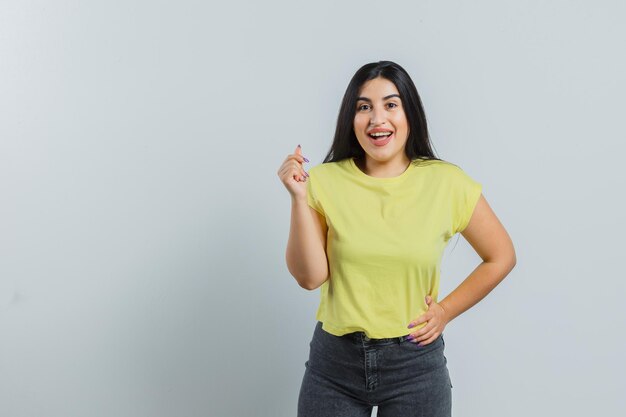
x=380, y=134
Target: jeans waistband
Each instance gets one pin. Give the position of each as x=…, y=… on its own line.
x=361, y=337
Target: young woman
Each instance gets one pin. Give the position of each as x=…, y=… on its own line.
x=368, y=227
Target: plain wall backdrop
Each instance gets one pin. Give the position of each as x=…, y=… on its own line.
x=143, y=226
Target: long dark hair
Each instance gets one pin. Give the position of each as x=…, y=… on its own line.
x=345, y=144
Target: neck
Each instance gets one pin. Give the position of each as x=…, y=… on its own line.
x=382, y=169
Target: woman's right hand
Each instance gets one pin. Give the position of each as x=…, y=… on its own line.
x=293, y=175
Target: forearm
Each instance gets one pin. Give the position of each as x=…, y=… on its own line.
x=475, y=287
x=306, y=256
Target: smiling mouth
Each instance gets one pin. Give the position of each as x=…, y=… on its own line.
x=382, y=140
x=379, y=137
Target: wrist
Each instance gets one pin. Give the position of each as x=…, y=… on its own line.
x=299, y=199
x=445, y=312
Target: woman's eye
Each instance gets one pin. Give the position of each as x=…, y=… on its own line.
x=367, y=105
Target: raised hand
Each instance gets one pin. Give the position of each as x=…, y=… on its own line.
x=293, y=175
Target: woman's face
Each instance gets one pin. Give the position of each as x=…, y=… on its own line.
x=379, y=108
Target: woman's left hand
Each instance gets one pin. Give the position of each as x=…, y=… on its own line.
x=436, y=320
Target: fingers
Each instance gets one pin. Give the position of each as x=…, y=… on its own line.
x=294, y=170
x=428, y=333
x=421, y=332
x=421, y=319
x=300, y=174
x=292, y=166
x=300, y=158
x=297, y=157
x=424, y=338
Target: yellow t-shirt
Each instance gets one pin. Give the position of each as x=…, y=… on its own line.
x=386, y=238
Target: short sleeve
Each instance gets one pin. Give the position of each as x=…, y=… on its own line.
x=312, y=192
x=466, y=193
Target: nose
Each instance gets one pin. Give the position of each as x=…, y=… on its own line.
x=378, y=117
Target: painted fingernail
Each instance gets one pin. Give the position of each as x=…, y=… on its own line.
x=306, y=160
x=299, y=145
x=409, y=337
x=410, y=325
x=306, y=173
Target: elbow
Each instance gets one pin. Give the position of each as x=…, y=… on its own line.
x=312, y=284
x=307, y=279
x=508, y=259
x=504, y=264
x=307, y=283
x=509, y=264
x=512, y=258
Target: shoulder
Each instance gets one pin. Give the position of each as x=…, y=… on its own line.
x=449, y=174
x=439, y=164
x=449, y=168
x=439, y=168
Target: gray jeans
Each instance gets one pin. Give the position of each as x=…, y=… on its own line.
x=346, y=376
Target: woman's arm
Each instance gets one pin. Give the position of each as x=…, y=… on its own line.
x=491, y=241
x=306, y=248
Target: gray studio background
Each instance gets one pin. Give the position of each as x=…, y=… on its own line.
x=143, y=226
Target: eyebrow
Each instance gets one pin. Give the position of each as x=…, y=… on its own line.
x=384, y=98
